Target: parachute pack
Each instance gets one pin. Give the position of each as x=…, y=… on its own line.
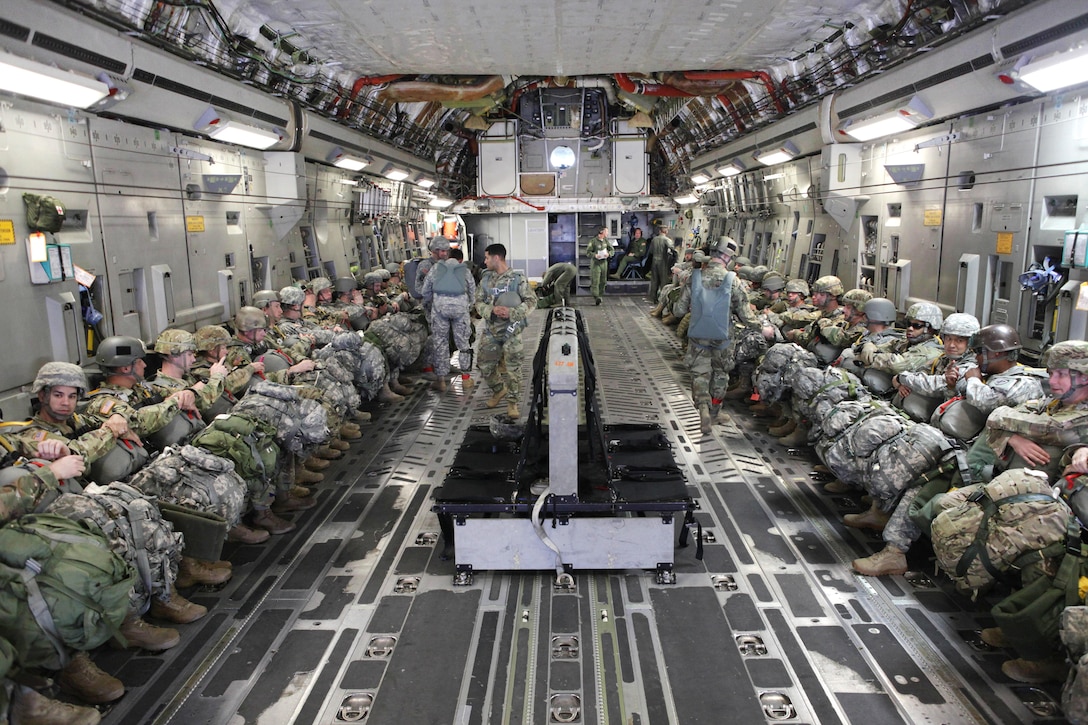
x=196, y=479
x=774, y=370
x=60, y=587
x=134, y=529
x=248, y=442
x=299, y=422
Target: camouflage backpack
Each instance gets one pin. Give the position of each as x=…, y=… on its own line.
x=299, y=422
x=135, y=530
x=983, y=530
x=816, y=390
x=247, y=442
x=848, y=454
x=61, y=588
x=898, y=462
x=778, y=363
x=196, y=479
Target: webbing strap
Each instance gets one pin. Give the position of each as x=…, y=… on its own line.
x=977, y=549
x=40, y=610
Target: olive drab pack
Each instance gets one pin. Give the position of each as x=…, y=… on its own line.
x=1074, y=635
x=62, y=587
x=181, y=428
x=983, y=530
x=401, y=338
x=194, y=478
x=300, y=423
x=43, y=213
x=248, y=442
x=135, y=531
x=120, y=462
x=335, y=379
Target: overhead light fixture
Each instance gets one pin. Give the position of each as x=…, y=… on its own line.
x=223, y=128
x=349, y=182
x=779, y=155
x=772, y=177
x=424, y=182
x=699, y=178
x=440, y=202
x=733, y=168
x=340, y=159
x=48, y=83
x=1056, y=71
x=683, y=199
x=392, y=173
x=897, y=120
x=562, y=158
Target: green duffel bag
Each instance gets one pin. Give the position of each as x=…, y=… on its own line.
x=60, y=587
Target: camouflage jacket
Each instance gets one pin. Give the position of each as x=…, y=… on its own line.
x=824, y=320
x=1016, y=385
x=236, y=380
x=1045, y=422
x=240, y=354
x=206, y=395
x=83, y=434
x=28, y=493
x=843, y=336
x=931, y=383
x=144, y=409
x=793, y=318
x=900, y=356
x=491, y=286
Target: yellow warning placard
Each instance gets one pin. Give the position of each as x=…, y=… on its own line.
x=931, y=218
x=1004, y=242
x=194, y=223
x=7, y=231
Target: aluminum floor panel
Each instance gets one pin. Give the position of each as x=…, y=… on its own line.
x=358, y=607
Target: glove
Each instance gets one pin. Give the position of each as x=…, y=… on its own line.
x=865, y=355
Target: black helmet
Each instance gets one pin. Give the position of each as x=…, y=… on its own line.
x=119, y=351
x=996, y=338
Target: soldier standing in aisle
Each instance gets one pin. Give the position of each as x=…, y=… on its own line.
x=503, y=301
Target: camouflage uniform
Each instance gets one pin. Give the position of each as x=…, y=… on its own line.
x=82, y=434
x=166, y=385
x=659, y=263
x=931, y=383
x=501, y=341
x=598, y=268
x=29, y=493
x=904, y=355
x=145, y=410
x=1016, y=385
x=1055, y=427
x=557, y=281
x=450, y=312
x=710, y=359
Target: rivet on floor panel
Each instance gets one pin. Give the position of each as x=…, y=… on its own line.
x=406, y=585
x=777, y=706
x=724, y=582
x=566, y=707
x=355, y=708
x=381, y=647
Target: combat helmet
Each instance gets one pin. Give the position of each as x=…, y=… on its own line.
x=292, y=295
x=119, y=350
x=250, y=318
x=439, y=244
x=880, y=309
x=1067, y=355
x=830, y=284
x=928, y=313
x=264, y=298
x=59, y=373
x=393, y=268
x=175, y=342
x=383, y=273
x=211, y=336
x=773, y=281
x=345, y=284
x=857, y=298
x=996, y=338
x=746, y=272
x=797, y=285
x=317, y=284
x=725, y=245
x=758, y=273
x=743, y=262
x=371, y=278
x=960, y=323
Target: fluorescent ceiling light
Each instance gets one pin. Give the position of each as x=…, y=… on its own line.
x=772, y=177
x=221, y=127
x=349, y=182
x=45, y=82
x=1060, y=70
x=424, y=182
x=897, y=120
x=340, y=159
x=780, y=155
x=699, y=178
x=685, y=199
x=440, y=202
x=733, y=168
x=394, y=174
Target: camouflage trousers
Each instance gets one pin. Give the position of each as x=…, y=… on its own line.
x=499, y=362
x=900, y=531
x=445, y=323
x=682, y=327
x=598, y=276
x=710, y=367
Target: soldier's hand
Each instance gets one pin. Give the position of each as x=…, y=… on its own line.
x=866, y=354
x=219, y=368
x=951, y=375
x=500, y=311
x=258, y=367
x=186, y=399
x=68, y=467
x=1032, y=453
x=51, y=449
x=768, y=332
x=117, y=425
x=1079, y=464
x=302, y=367
x=972, y=373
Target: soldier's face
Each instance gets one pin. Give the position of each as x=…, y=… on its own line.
x=273, y=311
x=954, y=345
x=820, y=298
x=58, y=402
x=324, y=295
x=138, y=368
x=1061, y=382
x=916, y=329
x=795, y=298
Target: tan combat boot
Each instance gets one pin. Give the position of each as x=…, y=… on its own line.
x=874, y=519
x=798, y=437
x=82, y=678
x=439, y=384
x=197, y=571
x=270, y=522
x=245, y=535
x=741, y=392
x=176, y=609
x=338, y=444
x=397, y=387
x=315, y=464
x=838, y=486
x=705, y=422
x=496, y=397
x=328, y=453
x=135, y=633
x=1037, y=672
x=361, y=416
x=388, y=396
x=349, y=432
x=302, y=476
x=299, y=491
x=783, y=430
x=994, y=637
x=512, y=409
x=466, y=382
x=29, y=707
x=285, y=503
x=888, y=561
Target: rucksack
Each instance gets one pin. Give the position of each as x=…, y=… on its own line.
x=196, y=479
x=983, y=530
x=135, y=531
x=43, y=213
x=248, y=442
x=299, y=422
x=60, y=587
x=777, y=366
